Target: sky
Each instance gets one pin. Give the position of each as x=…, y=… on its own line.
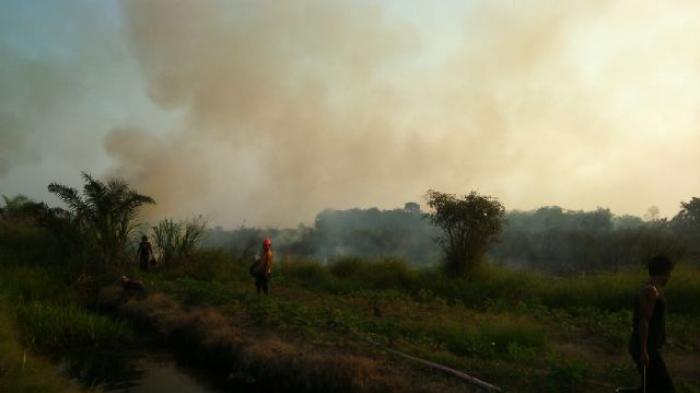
x=267, y=112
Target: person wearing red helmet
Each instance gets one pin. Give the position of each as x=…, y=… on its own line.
x=263, y=270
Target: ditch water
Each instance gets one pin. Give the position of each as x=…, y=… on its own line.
x=140, y=372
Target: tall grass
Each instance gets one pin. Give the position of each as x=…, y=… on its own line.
x=31, y=283
x=46, y=309
x=21, y=371
x=56, y=329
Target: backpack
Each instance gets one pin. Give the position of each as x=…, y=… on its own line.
x=254, y=269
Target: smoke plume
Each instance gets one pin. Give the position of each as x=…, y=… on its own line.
x=291, y=107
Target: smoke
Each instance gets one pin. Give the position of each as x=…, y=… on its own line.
x=30, y=89
x=286, y=108
x=289, y=108
x=63, y=69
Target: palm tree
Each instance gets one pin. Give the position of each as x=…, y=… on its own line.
x=105, y=213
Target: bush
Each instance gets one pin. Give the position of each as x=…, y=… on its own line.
x=178, y=240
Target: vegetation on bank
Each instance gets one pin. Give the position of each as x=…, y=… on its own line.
x=20, y=370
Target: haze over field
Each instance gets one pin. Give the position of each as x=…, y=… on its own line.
x=268, y=112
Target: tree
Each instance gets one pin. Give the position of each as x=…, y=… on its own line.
x=689, y=215
x=652, y=214
x=105, y=214
x=471, y=224
x=16, y=206
x=686, y=225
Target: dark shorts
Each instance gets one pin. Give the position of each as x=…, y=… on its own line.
x=262, y=282
x=657, y=378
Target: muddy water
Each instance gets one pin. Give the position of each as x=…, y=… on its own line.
x=139, y=372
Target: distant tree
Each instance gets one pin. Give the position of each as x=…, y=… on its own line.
x=411, y=207
x=627, y=222
x=15, y=206
x=686, y=225
x=689, y=215
x=105, y=214
x=652, y=214
x=470, y=224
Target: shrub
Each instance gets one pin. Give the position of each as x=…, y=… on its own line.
x=178, y=240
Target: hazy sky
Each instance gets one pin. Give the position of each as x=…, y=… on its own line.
x=268, y=112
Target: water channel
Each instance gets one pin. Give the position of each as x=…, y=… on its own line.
x=142, y=371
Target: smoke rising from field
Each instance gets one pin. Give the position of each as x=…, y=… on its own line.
x=288, y=108
x=291, y=109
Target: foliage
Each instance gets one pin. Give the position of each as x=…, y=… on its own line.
x=567, y=242
x=471, y=224
x=177, y=240
x=20, y=370
x=689, y=215
x=686, y=225
x=105, y=214
x=61, y=328
x=14, y=206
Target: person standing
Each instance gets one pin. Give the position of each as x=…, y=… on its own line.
x=144, y=253
x=649, y=329
x=263, y=270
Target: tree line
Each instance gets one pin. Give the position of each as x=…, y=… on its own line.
x=551, y=239
x=95, y=231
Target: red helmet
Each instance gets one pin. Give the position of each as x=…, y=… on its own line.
x=267, y=242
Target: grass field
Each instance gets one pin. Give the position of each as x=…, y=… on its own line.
x=522, y=331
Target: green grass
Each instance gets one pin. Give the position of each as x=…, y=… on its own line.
x=47, y=310
x=20, y=370
x=55, y=329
